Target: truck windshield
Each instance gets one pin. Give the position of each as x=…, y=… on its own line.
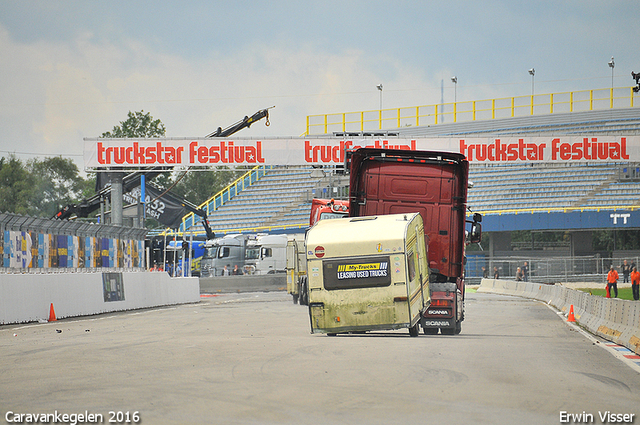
x=253, y=253
x=211, y=252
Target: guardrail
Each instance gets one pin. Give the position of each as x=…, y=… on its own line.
x=476, y=110
x=610, y=318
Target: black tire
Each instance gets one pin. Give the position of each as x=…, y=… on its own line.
x=458, y=328
x=295, y=298
x=448, y=331
x=331, y=334
x=430, y=331
x=414, y=330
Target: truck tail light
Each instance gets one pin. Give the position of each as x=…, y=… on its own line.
x=441, y=303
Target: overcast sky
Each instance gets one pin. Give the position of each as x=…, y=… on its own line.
x=74, y=69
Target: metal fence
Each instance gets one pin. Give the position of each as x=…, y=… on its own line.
x=547, y=269
x=41, y=245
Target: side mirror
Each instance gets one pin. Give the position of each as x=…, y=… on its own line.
x=476, y=232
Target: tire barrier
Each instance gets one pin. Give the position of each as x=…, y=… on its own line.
x=613, y=319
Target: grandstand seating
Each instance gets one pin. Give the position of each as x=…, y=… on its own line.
x=277, y=200
x=538, y=186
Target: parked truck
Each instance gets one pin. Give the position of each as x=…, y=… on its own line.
x=266, y=254
x=434, y=184
x=367, y=274
x=226, y=251
x=253, y=254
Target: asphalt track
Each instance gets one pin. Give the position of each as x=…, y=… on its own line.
x=250, y=359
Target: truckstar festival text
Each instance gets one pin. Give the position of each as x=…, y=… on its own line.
x=104, y=153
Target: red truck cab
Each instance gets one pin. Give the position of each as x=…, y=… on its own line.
x=387, y=181
x=327, y=208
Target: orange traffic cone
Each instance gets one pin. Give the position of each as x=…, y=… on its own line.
x=52, y=314
x=571, y=317
x=608, y=294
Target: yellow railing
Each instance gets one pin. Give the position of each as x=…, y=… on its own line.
x=476, y=110
x=222, y=197
x=258, y=229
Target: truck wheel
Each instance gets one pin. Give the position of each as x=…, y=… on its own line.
x=414, y=330
x=430, y=331
x=295, y=298
x=458, y=328
x=448, y=331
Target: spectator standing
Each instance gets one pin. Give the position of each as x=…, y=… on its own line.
x=525, y=271
x=496, y=275
x=519, y=275
x=236, y=271
x=635, y=284
x=612, y=282
x=626, y=270
x=485, y=273
x=226, y=271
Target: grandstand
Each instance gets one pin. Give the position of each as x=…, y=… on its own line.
x=571, y=197
x=279, y=201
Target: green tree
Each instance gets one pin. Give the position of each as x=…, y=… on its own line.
x=56, y=183
x=16, y=186
x=138, y=124
x=198, y=186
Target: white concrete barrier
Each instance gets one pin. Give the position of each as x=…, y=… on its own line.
x=28, y=297
x=611, y=318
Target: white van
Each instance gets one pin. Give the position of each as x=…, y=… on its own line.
x=367, y=273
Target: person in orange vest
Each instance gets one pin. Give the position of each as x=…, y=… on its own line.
x=635, y=282
x=612, y=282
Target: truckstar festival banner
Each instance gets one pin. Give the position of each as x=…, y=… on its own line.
x=136, y=153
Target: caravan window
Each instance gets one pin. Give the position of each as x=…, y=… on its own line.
x=411, y=264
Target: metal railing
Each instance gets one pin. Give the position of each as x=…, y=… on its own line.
x=591, y=269
x=476, y=110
